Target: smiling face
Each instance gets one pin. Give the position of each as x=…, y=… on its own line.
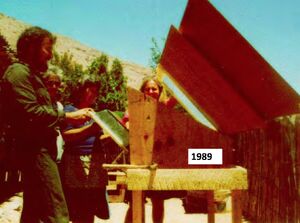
x=151, y=89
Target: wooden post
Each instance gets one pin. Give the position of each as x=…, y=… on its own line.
x=236, y=206
x=138, y=208
x=142, y=112
x=210, y=206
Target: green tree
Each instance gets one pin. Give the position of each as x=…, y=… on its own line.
x=99, y=65
x=117, y=83
x=112, y=93
x=113, y=84
x=98, y=68
x=155, y=54
x=72, y=74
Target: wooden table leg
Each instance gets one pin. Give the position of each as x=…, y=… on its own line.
x=210, y=206
x=137, y=207
x=236, y=206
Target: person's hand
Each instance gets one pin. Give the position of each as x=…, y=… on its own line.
x=79, y=116
x=104, y=137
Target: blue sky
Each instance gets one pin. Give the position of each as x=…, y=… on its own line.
x=124, y=28
x=121, y=28
x=273, y=28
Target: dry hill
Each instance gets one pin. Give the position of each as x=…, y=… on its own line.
x=11, y=28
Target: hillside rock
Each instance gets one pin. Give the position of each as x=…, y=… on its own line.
x=11, y=28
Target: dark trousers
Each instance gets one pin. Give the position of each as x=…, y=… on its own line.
x=44, y=200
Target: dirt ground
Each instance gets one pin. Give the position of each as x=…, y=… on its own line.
x=174, y=212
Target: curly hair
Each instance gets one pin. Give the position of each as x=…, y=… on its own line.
x=31, y=39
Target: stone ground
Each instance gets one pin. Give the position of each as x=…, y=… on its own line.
x=174, y=212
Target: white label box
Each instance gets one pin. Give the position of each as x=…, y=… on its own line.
x=205, y=156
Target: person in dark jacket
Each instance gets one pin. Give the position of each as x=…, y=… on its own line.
x=34, y=120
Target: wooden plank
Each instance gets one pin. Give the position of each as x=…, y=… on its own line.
x=202, y=83
x=237, y=61
x=142, y=112
x=176, y=132
x=210, y=206
x=137, y=207
x=236, y=206
x=188, y=179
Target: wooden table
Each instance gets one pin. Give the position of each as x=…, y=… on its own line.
x=234, y=179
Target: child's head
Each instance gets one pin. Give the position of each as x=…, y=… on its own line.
x=152, y=88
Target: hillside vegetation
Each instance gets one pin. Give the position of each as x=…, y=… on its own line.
x=11, y=28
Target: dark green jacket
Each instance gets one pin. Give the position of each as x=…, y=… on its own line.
x=31, y=113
